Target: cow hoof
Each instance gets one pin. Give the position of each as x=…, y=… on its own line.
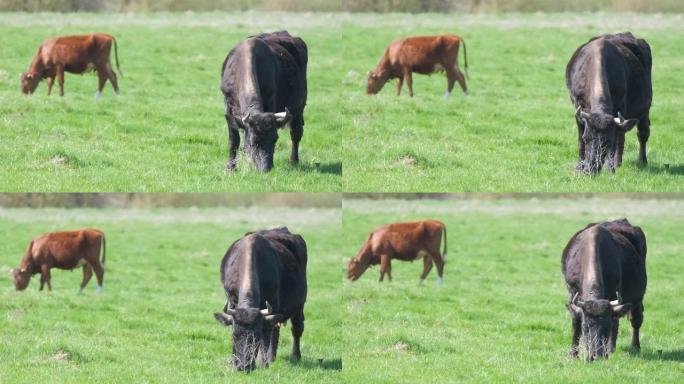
x=97, y=95
x=440, y=280
x=447, y=94
x=98, y=290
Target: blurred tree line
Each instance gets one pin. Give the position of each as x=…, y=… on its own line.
x=163, y=200
x=474, y=6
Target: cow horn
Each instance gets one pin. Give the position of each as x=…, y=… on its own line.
x=577, y=109
x=266, y=311
x=618, y=301
x=245, y=117
x=230, y=311
x=575, y=302
x=282, y=117
x=223, y=318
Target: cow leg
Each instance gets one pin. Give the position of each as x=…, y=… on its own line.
x=580, y=142
x=273, y=344
x=439, y=263
x=297, y=331
x=460, y=77
x=400, y=82
x=427, y=266
x=296, y=133
x=45, y=277
x=265, y=347
x=60, y=79
x=50, y=81
x=576, y=333
x=99, y=273
x=112, y=78
x=636, y=317
x=451, y=80
x=385, y=267
x=102, y=79
x=87, y=274
x=233, y=143
x=614, y=335
x=643, y=132
x=620, y=148
x=408, y=78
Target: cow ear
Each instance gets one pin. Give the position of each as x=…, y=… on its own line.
x=625, y=124
x=621, y=310
x=30, y=76
x=224, y=319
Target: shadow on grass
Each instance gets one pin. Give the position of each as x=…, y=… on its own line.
x=334, y=364
x=662, y=169
x=334, y=168
x=674, y=355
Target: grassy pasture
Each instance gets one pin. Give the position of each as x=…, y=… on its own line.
x=166, y=131
x=154, y=322
x=500, y=315
x=515, y=131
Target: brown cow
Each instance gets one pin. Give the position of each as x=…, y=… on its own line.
x=424, y=55
x=402, y=241
x=63, y=250
x=75, y=54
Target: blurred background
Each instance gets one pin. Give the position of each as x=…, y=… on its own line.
x=175, y=200
x=471, y=6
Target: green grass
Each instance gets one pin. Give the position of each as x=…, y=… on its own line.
x=500, y=315
x=166, y=131
x=154, y=322
x=515, y=131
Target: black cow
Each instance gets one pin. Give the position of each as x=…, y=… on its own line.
x=264, y=277
x=609, y=79
x=263, y=81
x=605, y=271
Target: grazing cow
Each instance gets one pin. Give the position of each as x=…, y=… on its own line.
x=424, y=55
x=605, y=271
x=264, y=277
x=74, y=54
x=263, y=81
x=63, y=250
x=609, y=79
x=402, y=241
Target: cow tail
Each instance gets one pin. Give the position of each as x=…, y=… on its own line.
x=444, y=249
x=465, y=60
x=104, y=250
x=116, y=57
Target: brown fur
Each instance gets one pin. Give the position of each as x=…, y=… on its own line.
x=74, y=54
x=422, y=54
x=63, y=250
x=401, y=241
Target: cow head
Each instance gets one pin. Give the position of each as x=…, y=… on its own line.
x=261, y=134
x=356, y=268
x=376, y=80
x=29, y=82
x=249, y=326
x=21, y=276
x=601, y=132
x=598, y=317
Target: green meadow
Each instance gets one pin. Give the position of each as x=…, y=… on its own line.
x=154, y=321
x=166, y=131
x=516, y=130
x=500, y=315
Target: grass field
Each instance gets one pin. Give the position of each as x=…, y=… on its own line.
x=154, y=322
x=166, y=131
x=500, y=315
x=515, y=131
